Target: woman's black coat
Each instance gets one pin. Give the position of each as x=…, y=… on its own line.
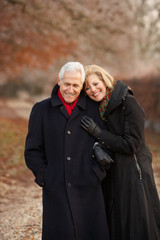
x=132, y=203
x=59, y=153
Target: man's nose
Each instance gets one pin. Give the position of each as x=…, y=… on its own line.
x=70, y=88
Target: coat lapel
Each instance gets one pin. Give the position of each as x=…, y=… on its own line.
x=64, y=111
x=117, y=97
x=81, y=104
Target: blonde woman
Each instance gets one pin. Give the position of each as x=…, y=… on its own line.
x=132, y=202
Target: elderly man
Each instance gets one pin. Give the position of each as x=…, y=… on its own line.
x=59, y=153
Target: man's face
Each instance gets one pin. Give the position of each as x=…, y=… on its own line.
x=70, y=86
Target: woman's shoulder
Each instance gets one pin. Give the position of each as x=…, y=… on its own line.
x=131, y=104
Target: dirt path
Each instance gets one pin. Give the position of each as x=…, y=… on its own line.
x=20, y=211
x=20, y=202
x=13, y=108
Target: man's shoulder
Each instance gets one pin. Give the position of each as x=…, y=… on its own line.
x=42, y=104
x=92, y=107
x=92, y=111
x=90, y=102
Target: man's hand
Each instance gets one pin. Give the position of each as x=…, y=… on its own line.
x=91, y=127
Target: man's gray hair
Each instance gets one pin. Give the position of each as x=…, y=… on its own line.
x=72, y=67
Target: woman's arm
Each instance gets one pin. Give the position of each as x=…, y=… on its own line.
x=133, y=134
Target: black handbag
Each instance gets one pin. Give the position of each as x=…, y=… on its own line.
x=101, y=155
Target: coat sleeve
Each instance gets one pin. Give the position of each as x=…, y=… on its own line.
x=129, y=142
x=34, y=146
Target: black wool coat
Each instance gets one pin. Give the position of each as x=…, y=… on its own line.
x=59, y=153
x=132, y=202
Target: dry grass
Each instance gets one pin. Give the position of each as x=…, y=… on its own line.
x=12, y=140
x=153, y=141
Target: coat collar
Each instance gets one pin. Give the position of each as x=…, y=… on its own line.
x=118, y=96
x=55, y=100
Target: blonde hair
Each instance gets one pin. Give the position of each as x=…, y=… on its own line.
x=103, y=75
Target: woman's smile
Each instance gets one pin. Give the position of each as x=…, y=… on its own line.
x=96, y=93
x=95, y=88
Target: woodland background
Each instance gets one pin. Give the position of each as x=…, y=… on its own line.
x=37, y=37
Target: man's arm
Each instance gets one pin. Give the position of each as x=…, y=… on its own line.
x=34, y=146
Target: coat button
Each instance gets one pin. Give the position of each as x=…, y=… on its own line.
x=68, y=158
x=68, y=184
x=68, y=132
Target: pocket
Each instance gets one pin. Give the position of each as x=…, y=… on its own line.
x=40, y=178
x=138, y=167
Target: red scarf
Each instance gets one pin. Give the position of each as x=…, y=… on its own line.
x=67, y=106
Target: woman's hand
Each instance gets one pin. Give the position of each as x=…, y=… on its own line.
x=91, y=127
x=102, y=156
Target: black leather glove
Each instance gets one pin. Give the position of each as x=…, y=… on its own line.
x=102, y=157
x=91, y=127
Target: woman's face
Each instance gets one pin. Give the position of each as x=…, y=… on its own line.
x=95, y=88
